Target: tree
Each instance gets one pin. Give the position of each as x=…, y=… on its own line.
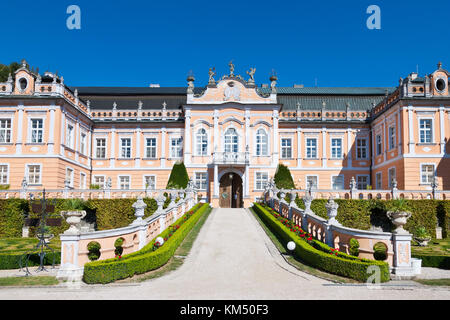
x=283, y=178
x=5, y=70
x=179, y=177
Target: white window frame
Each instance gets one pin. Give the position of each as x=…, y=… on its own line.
x=378, y=145
x=340, y=176
x=261, y=142
x=231, y=144
x=259, y=181
x=151, y=147
x=144, y=178
x=390, y=176
x=176, y=151
x=198, y=182
x=287, y=149
x=392, y=137
x=82, y=180
x=119, y=182
x=70, y=134
x=431, y=130
x=102, y=186
x=97, y=147
x=3, y=174
x=37, y=130
x=359, y=183
x=83, y=140
x=126, y=148
x=7, y=130
x=362, y=149
x=71, y=177
x=336, y=149
x=201, y=146
x=312, y=176
x=27, y=168
x=422, y=173
x=379, y=181
x=309, y=149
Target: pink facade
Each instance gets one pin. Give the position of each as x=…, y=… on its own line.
x=231, y=135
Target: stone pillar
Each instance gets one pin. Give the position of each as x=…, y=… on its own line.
x=353, y=189
x=187, y=137
x=402, y=264
x=70, y=268
x=216, y=181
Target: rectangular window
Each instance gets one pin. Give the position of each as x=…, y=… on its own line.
x=286, y=148
x=391, y=138
x=99, y=181
x=336, y=148
x=176, y=147
x=34, y=174
x=261, y=180
x=362, y=182
x=378, y=181
x=69, y=176
x=83, y=143
x=427, y=173
x=125, y=148
x=425, y=131
x=200, y=180
x=124, y=182
x=391, y=176
x=82, y=180
x=311, y=181
x=37, y=130
x=337, y=182
x=69, y=139
x=150, y=148
x=311, y=148
x=3, y=174
x=150, y=182
x=5, y=130
x=361, y=148
x=100, y=148
x=379, y=150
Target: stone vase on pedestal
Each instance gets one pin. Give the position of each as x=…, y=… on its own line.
x=73, y=218
x=399, y=219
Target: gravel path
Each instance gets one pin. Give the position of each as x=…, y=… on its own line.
x=232, y=258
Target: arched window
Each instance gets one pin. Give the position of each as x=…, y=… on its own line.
x=202, y=142
x=261, y=143
x=231, y=140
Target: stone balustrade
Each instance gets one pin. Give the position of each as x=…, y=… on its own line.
x=331, y=232
x=74, y=247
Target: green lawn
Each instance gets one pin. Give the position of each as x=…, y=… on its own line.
x=434, y=248
x=29, y=281
x=434, y=282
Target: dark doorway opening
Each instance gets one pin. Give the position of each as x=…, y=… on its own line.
x=230, y=191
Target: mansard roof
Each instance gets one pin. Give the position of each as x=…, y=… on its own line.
x=307, y=98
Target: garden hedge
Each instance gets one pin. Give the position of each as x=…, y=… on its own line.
x=441, y=262
x=12, y=213
x=362, y=214
x=179, y=177
x=343, y=264
x=283, y=178
x=11, y=260
x=144, y=260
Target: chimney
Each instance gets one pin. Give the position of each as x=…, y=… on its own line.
x=154, y=85
x=264, y=85
x=299, y=86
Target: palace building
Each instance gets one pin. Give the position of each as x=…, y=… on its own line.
x=230, y=133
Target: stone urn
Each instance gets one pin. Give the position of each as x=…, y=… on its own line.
x=73, y=218
x=399, y=219
x=422, y=242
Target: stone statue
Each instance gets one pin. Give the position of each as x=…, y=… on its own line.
x=231, y=68
x=211, y=75
x=108, y=184
x=24, y=183
x=251, y=73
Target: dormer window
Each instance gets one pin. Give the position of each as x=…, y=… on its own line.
x=23, y=83
x=440, y=85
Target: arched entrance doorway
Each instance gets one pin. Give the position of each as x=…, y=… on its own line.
x=230, y=191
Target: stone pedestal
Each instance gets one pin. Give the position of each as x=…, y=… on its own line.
x=402, y=264
x=438, y=233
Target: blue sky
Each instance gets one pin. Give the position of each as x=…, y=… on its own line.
x=135, y=43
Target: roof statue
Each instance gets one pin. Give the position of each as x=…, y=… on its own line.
x=231, y=68
x=211, y=76
x=251, y=73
